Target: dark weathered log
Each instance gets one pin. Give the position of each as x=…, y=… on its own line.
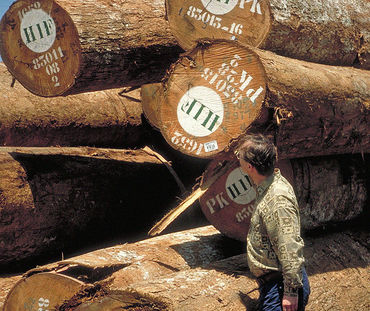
x=330, y=32
x=54, y=47
x=125, y=264
x=337, y=266
x=51, y=196
x=104, y=119
x=313, y=109
x=329, y=190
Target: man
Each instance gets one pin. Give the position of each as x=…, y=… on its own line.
x=274, y=244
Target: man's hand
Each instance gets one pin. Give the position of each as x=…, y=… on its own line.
x=290, y=303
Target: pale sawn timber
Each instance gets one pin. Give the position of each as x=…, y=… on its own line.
x=110, y=118
x=53, y=198
x=337, y=267
x=68, y=46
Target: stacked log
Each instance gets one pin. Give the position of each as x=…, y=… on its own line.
x=331, y=32
x=50, y=196
x=122, y=265
x=311, y=109
x=99, y=45
x=55, y=47
x=219, y=89
x=228, y=284
x=109, y=118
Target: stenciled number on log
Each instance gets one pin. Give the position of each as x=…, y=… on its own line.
x=191, y=145
x=213, y=21
x=49, y=61
x=227, y=87
x=41, y=304
x=247, y=21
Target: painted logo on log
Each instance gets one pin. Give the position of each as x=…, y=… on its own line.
x=38, y=30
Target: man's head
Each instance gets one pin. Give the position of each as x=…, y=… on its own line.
x=259, y=153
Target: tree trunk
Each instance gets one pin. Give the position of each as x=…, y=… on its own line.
x=104, y=119
x=86, y=45
x=330, y=32
x=124, y=264
x=311, y=109
x=319, y=109
x=52, y=195
x=329, y=190
x=337, y=267
x=202, y=109
x=248, y=22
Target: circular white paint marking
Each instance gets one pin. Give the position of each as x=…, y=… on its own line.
x=200, y=111
x=38, y=30
x=239, y=188
x=219, y=7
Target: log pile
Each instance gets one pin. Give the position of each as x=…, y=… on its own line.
x=100, y=80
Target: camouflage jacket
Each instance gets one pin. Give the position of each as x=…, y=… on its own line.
x=274, y=242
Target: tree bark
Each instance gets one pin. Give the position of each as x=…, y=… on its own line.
x=50, y=196
x=311, y=109
x=125, y=264
x=329, y=190
x=330, y=32
x=108, y=118
x=337, y=266
x=319, y=109
x=98, y=45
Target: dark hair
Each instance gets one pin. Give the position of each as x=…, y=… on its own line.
x=258, y=151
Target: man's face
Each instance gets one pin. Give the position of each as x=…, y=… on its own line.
x=245, y=166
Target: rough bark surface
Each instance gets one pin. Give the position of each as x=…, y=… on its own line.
x=337, y=266
x=318, y=109
x=110, y=118
x=330, y=32
x=51, y=196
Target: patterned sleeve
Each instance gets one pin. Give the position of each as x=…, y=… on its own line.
x=283, y=228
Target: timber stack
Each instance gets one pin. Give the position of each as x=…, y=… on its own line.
x=100, y=81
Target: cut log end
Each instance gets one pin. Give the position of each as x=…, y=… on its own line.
x=33, y=293
x=248, y=22
x=40, y=45
x=212, y=95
